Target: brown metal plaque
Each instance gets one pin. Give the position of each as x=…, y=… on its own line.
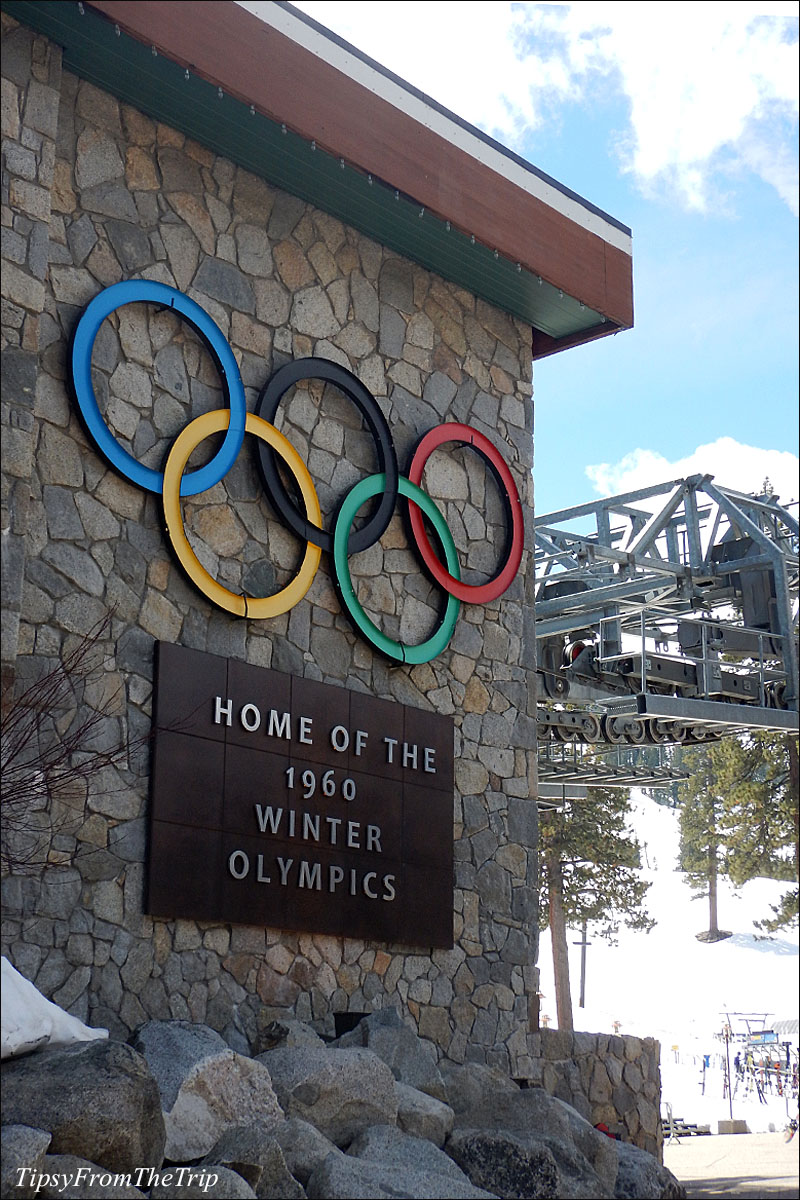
x=185, y=871
x=299, y=805
x=267, y=690
x=187, y=775
x=188, y=683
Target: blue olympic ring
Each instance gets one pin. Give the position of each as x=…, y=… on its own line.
x=209, y=332
x=172, y=484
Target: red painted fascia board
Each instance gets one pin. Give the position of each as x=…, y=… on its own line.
x=232, y=49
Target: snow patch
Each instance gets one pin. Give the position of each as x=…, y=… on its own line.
x=29, y=1020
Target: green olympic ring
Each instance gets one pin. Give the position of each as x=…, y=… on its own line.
x=172, y=484
x=360, y=492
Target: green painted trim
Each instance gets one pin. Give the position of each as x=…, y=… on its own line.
x=160, y=88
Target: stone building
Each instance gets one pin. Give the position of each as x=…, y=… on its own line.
x=349, y=219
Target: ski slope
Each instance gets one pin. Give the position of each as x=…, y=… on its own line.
x=667, y=985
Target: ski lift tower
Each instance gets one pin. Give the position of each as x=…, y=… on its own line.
x=666, y=616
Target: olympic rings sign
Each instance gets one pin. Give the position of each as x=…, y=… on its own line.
x=234, y=421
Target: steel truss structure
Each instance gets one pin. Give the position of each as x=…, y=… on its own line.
x=567, y=771
x=665, y=615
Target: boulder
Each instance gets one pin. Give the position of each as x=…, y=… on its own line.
x=73, y=1178
x=516, y=1171
x=22, y=1151
x=472, y=1084
x=642, y=1177
x=423, y=1116
x=586, y=1160
x=412, y=1060
x=256, y=1156
x=304, y=1147
x=340, y=1092
x=205, y=1087
x=97, y=1099
x=286, y=1032
x=200, y=1183
x=29, y=1020
x=389, y=1146
x=343, y=1177
x=596, y=1147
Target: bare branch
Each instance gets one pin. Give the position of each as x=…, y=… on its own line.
x=48, y=755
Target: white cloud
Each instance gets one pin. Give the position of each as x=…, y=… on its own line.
x=712, y=88
x=463, y=55
x=732, y=464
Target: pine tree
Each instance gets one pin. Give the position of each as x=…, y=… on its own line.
x=759, y=811
x=759, y=775
x=590, y=873
x=739, y=817
x=702, y=852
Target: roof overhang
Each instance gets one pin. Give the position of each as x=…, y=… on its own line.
x=289, y=101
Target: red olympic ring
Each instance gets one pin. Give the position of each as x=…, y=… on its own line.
x=470, y=593
x=306, y=526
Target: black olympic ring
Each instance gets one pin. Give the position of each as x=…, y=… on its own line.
x=271, y=396
x=234, y=422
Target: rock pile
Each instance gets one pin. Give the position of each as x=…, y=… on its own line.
x=177, y=1113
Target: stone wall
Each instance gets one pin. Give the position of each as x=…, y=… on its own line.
x=611, y=1079
x=94, y=192
x=31, y=81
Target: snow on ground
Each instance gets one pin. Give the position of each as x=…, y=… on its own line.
x=667, y=985
x=28, y=1019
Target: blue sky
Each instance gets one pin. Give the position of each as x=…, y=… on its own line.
x=681, y=121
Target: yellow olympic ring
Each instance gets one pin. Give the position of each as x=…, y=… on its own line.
x=241, y=606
